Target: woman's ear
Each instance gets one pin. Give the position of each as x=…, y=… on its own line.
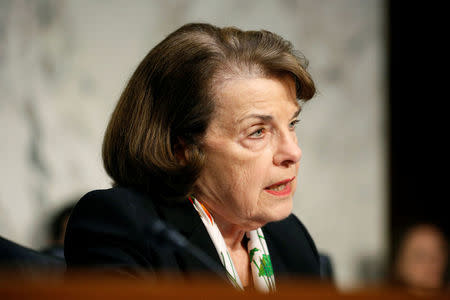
x=181, y=152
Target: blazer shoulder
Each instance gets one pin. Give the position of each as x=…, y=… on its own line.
x=107, y=227
x=295, y=230
x=291, y=240
x=114, y=202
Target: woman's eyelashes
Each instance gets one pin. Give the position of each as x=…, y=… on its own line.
x=261, y=131
x=258, y=133
x=294, y=123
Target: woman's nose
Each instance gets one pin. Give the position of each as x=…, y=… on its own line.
x=288, y=151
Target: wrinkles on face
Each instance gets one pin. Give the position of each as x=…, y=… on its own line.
x=250, y=129
x=218, y=185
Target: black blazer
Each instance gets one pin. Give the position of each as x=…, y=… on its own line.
x=111, y=229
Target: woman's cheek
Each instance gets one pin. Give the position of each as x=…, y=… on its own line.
x=255, y=144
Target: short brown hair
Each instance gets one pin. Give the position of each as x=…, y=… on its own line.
x=169, y=100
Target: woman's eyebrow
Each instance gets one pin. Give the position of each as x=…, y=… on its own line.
x=297, y=113
x=267, y=118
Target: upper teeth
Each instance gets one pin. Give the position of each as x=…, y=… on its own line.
x=278, y=187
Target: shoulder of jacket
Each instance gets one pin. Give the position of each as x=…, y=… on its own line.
x=292, y=228
x=115, y=202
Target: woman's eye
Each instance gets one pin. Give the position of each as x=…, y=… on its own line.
x=293, y=123
x=258, y=133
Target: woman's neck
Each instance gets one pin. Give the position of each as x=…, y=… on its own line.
x=232, y=234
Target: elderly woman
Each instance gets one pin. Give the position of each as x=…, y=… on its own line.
x=203, y=138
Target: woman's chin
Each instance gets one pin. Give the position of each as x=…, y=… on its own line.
x=283, y=211
x=279, y=212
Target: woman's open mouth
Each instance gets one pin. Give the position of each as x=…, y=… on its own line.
x=281, y=188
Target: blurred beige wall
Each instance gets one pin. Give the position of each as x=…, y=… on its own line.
x=63, y=64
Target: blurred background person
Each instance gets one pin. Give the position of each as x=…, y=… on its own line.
x=326, y=267
x=421, y=261
x=57, y=231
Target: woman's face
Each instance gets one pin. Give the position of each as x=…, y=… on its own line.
x=252, y=156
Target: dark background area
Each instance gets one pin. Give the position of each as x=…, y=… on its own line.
x=418, y=94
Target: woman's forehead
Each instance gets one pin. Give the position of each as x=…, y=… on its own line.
x=244, y=96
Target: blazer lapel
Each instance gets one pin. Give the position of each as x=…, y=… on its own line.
x=278, y=265
x=185, y=219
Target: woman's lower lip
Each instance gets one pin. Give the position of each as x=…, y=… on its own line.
x=284, y=192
